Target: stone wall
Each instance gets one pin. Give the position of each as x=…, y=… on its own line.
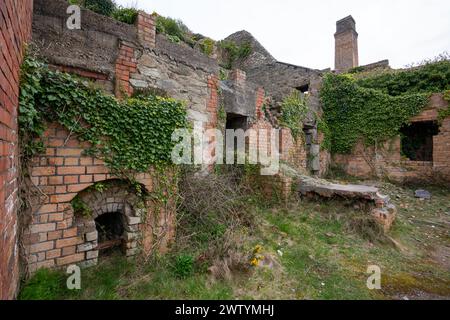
x=15, y=31
x=58, y=237
x=280, y=79
x=386, y=160
x=94, y=48
x=180, y=71
x=125, y=58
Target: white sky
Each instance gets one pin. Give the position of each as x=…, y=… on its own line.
x=301, y=32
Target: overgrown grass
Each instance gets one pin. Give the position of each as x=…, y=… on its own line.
x=316, y=256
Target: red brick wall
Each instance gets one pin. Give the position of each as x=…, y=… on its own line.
x=386, y=160
x=54, y=237
x=278, y=186
x=15, y=31
x=441, y=150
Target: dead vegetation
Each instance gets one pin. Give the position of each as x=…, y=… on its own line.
x=216, y=221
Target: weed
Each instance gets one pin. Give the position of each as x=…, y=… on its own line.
x=184, y=266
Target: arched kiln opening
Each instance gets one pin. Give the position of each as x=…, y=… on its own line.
x=109, y=216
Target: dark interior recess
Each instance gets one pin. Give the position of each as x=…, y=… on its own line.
x=235, y=121
x=417, y=140
x=303, y=89
x=110, y=227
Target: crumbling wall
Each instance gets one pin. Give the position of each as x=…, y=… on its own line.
x=15, y=31
x=93, y=50
x=385, y=160
x=180, y=71
x=125, y=58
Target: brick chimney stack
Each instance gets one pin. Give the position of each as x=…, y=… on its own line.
x=346, y=37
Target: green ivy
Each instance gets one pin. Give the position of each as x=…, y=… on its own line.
x=445, y=113
x=430, y=77
x=323, y=128
x=129, y=135
x=354, y=113
x=294, y=110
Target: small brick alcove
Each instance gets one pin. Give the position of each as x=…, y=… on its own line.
x=114, y=216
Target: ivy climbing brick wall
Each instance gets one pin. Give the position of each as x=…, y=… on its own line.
x=386, y=159
x=15, y=31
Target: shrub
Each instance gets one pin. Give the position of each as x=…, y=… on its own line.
x=215, y=217
x=125, y=15
x=176, y=30
x=104, y=7
x=207, y=46
x=234, y=52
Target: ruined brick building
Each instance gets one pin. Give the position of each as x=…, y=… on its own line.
x=121, y=57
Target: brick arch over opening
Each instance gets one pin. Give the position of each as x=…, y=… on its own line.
x=109, y=197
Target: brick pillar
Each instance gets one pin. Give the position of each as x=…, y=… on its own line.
x=260, y=100
x=212, y=110
x=15, y=30
x=346, y=55
x=213, y=101
x=125, y=65
x=146, y=27
x=239, y=77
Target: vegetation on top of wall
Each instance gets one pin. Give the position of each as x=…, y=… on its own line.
x=110, y=9
x=429, y=77
x=234, y=52
x=174, y=29
x=294, y=110
x=126, y=15
x=207, y=46
x=354, y=113
x=129, y=135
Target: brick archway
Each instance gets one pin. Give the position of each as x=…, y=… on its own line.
x=114, y=196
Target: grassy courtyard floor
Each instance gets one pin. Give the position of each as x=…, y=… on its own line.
x=315, y=253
